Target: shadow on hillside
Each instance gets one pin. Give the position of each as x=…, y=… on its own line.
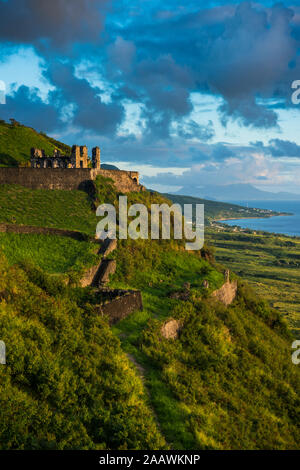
x=8, y=160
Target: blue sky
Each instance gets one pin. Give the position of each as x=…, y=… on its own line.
x=189, y=93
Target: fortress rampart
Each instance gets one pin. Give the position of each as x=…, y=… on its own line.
x=68, y=172
x=68, y=179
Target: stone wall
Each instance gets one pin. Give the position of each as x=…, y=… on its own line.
x=67, y=178
x=30, y=229
x=121, y=307
x=47, y=178
x=125, y=181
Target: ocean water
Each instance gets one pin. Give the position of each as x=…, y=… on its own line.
x=288, y=225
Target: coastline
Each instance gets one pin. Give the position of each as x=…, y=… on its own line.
x=283, y=214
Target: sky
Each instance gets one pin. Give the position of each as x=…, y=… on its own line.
x=188, y=93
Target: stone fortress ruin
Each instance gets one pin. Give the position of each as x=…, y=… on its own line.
x=68, y=172
x=78, y=158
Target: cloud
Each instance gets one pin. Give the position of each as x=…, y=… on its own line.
x=57, y=21
x=252, y=169
x=155, y=59
x=241, y=53
x=191, y=129
x=26, y=106
x=284, y=148
x=90, y=112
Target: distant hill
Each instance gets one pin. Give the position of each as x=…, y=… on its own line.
x=236, y=192
x=215, y=210
x=16, y=141
x=106, y=166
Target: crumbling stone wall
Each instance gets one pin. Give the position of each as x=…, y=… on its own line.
x=122, y=306
x=68, y=179
x=30, y=229
x=125, y=181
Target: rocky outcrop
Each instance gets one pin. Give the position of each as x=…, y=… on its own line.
x=171, y=329
x=227, y=293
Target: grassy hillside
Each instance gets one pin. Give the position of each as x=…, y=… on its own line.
x=16, y=141
x=53, y=254
x=269, y=262
x=227, y=382
x=45, y=208
x=67, y=384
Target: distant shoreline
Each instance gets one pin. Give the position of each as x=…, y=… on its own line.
x=280, y=214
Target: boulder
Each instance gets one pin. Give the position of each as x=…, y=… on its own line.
x=171, y=329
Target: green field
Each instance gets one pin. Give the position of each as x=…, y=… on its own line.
x=271, y=264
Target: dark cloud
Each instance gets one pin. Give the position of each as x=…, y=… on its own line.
x=26, y=106
x=284, y=148
x=90, y=112
x=221, y=152
x=57, y=21
x=240, y=52
x=157, y=57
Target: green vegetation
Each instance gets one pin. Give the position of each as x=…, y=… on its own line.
x=45, y=208
x=227, y=382
x=53, y=254
x=215, y=210
x=67, y=384
x=270, y=263
x=16, y=141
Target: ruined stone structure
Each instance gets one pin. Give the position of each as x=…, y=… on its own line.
x=68, y=172
x=227, y=293
x=122, y=305
x=77, y=159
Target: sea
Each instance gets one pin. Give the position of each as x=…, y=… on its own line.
x=287, y=225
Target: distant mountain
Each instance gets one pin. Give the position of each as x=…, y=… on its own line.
x=236, y=192
x=106, y=166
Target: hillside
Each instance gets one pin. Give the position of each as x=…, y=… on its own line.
x=269, y=262
x=227, y=381
x=16, y=141
x=215, y=210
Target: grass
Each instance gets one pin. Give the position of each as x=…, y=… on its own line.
x=53, y=254
x=227, y=382
x=70, y=210
x=269, y=262
x=16, y=142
